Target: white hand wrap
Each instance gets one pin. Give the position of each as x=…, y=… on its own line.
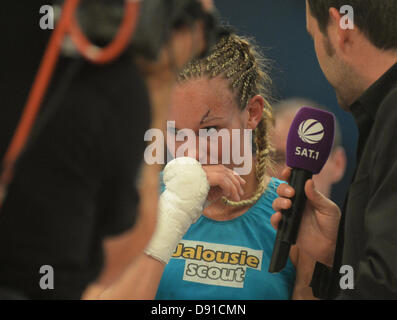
x=180, y=205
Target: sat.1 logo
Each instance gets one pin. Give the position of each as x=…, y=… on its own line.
x=311, y=131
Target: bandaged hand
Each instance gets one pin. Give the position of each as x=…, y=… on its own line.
x=180, y=205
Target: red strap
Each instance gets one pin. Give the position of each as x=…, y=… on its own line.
x=66, y=25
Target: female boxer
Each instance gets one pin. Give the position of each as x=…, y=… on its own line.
x=226, y=253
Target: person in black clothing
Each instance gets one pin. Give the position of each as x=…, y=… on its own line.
x=361, y=64
x=74, y=202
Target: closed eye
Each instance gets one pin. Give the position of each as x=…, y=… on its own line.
x=210, y=130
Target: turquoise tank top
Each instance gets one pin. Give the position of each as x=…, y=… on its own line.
x=228, y=260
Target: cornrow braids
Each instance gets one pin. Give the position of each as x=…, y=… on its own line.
x=240, y=63
x=263, y=158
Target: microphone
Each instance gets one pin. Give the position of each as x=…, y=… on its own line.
x=309, y=145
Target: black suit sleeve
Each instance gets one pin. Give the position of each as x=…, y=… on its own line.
x=376, y=275
x=321, y=281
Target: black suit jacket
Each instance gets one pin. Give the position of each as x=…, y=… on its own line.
x=367, y=238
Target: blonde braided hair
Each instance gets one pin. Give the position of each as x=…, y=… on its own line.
x=236, y=59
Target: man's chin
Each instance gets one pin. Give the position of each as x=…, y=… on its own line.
x=342, y=102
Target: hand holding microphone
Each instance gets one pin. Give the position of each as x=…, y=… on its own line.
x=301, y=209
x=320, y=220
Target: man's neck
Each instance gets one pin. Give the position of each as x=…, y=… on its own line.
x=374, y=65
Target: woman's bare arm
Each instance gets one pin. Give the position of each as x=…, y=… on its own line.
x=139, y=282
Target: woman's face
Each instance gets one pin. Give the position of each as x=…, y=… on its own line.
x=204, y=105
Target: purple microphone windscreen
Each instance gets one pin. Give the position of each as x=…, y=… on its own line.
x=310, y=139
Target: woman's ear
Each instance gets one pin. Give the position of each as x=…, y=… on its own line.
x=255, y=111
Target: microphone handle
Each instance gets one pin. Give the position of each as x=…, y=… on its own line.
x=288, y=227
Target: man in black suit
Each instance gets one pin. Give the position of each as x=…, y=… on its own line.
x=359, y=59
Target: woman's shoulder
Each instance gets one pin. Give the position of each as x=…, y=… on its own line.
x=265, y=202
x=271, y=190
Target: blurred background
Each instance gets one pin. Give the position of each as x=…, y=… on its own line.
x=280, y=28
x=277, y=26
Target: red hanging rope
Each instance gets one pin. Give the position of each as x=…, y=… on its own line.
x=66, y=25
x=116, y=47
